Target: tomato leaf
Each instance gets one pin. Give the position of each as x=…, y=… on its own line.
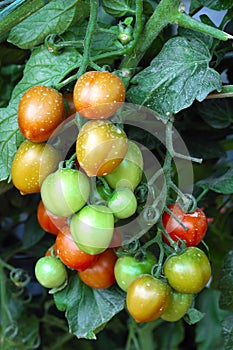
x=55, y=17
x=117, y=8
x=227, y=328
x=221, y=181
x=87, y=308
x=226, y=282
x=42, y=68
x=218, y=113
x=177, y=76
x=193, y=316
x=212, y=4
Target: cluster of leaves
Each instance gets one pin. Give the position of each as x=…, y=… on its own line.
x=174, y=76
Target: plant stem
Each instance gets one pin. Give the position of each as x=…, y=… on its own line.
x=20, y=13
x=227, y=91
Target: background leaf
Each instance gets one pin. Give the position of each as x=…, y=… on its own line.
x=226, y=282
x=176, y=77
x=117, y=8
x=218, y=113
x=227, y=326
x=212, y=4
x=220, y=182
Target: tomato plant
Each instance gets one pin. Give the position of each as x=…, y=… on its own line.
x=40, y=111
x=32, y=163
x=50, y=272
x=100, y=147
x=101, y=274
x=188, y=272
x=123, y=203
x=65, y=191
x=128, y=268
x=194, y=229
x=70, y=254
x=92, y=228
x=98, y=95
x=178, y=307
x=49, y=222
x=148, y=298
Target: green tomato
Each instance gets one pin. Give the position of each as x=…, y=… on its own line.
x=178, y=307
x=50, y=272
x=123, y=203
x=65, y=191
x=129, y=172
x=92, y=228
x=127, y=268
x=188, y=272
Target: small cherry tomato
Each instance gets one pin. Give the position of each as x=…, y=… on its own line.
x=189, y=271
x=123, y=203
x=178, y=307
x=128, y=268
x=98, y=95
x=100, y=147
x=49, y=222
x=32, y=163
x=195, y=222
x=70, y=254
x=148, y=298
x=65, y=191
x=40, y=111
x=101, y=274
x=92, y=228
x=129, y=172
x=50, y=272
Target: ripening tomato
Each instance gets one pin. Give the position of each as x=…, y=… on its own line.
x=40, y=112
x=188, y=272
x=49, y=222
x=148, y=298
x=65, y=191
x=98, y=95
x=178, y=307
x=92, y=228
x=32, y=163
x=101, y=274
x=70, y=254
x=50, y=272
x=195, y=222
x=123, y=203
x=129, y=172
x=100, y=147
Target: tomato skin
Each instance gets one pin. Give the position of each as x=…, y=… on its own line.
x=32, y=163
x=65, y=191
x=195, y=221
x=178, y=307
x=49, y=222
x=148, y=298
x=123, y=203
x=70, y=254
x=188, y=272
x=129, y=172
x=100, y=147
x=128, y=268
x=101, y=274
x=98, y=95
x=50, y=272
x=92, y=228
x=40, y=111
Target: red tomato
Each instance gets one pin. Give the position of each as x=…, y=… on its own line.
x=101, y=274
x=49, y=222
x=196, y=223
x=40, y=111
x=97, y=95
x=70, y=254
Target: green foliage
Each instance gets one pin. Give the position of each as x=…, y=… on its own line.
x=117, y=8
x=226, y=282
x=212, y=4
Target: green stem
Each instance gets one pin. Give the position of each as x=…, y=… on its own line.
x=227, y=91
x=94, y=5
x=20, y=13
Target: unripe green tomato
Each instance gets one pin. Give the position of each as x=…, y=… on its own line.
x=178, y=307
x=127, y=268
x=50, y=272
x=92, y=228
x=123, y=203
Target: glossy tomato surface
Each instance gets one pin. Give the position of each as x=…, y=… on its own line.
x=92, y=228
x=100, y=147
x=148, y=298
x=49, y=222
x=98, y=95
x=195, y=225
x=40, y=112
x=188, y=272
x=70, y=254
x=123, y=203
x=65, y=191
x=32, y=163
x=101, y=274
x=178, y=307
x=50, y=272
